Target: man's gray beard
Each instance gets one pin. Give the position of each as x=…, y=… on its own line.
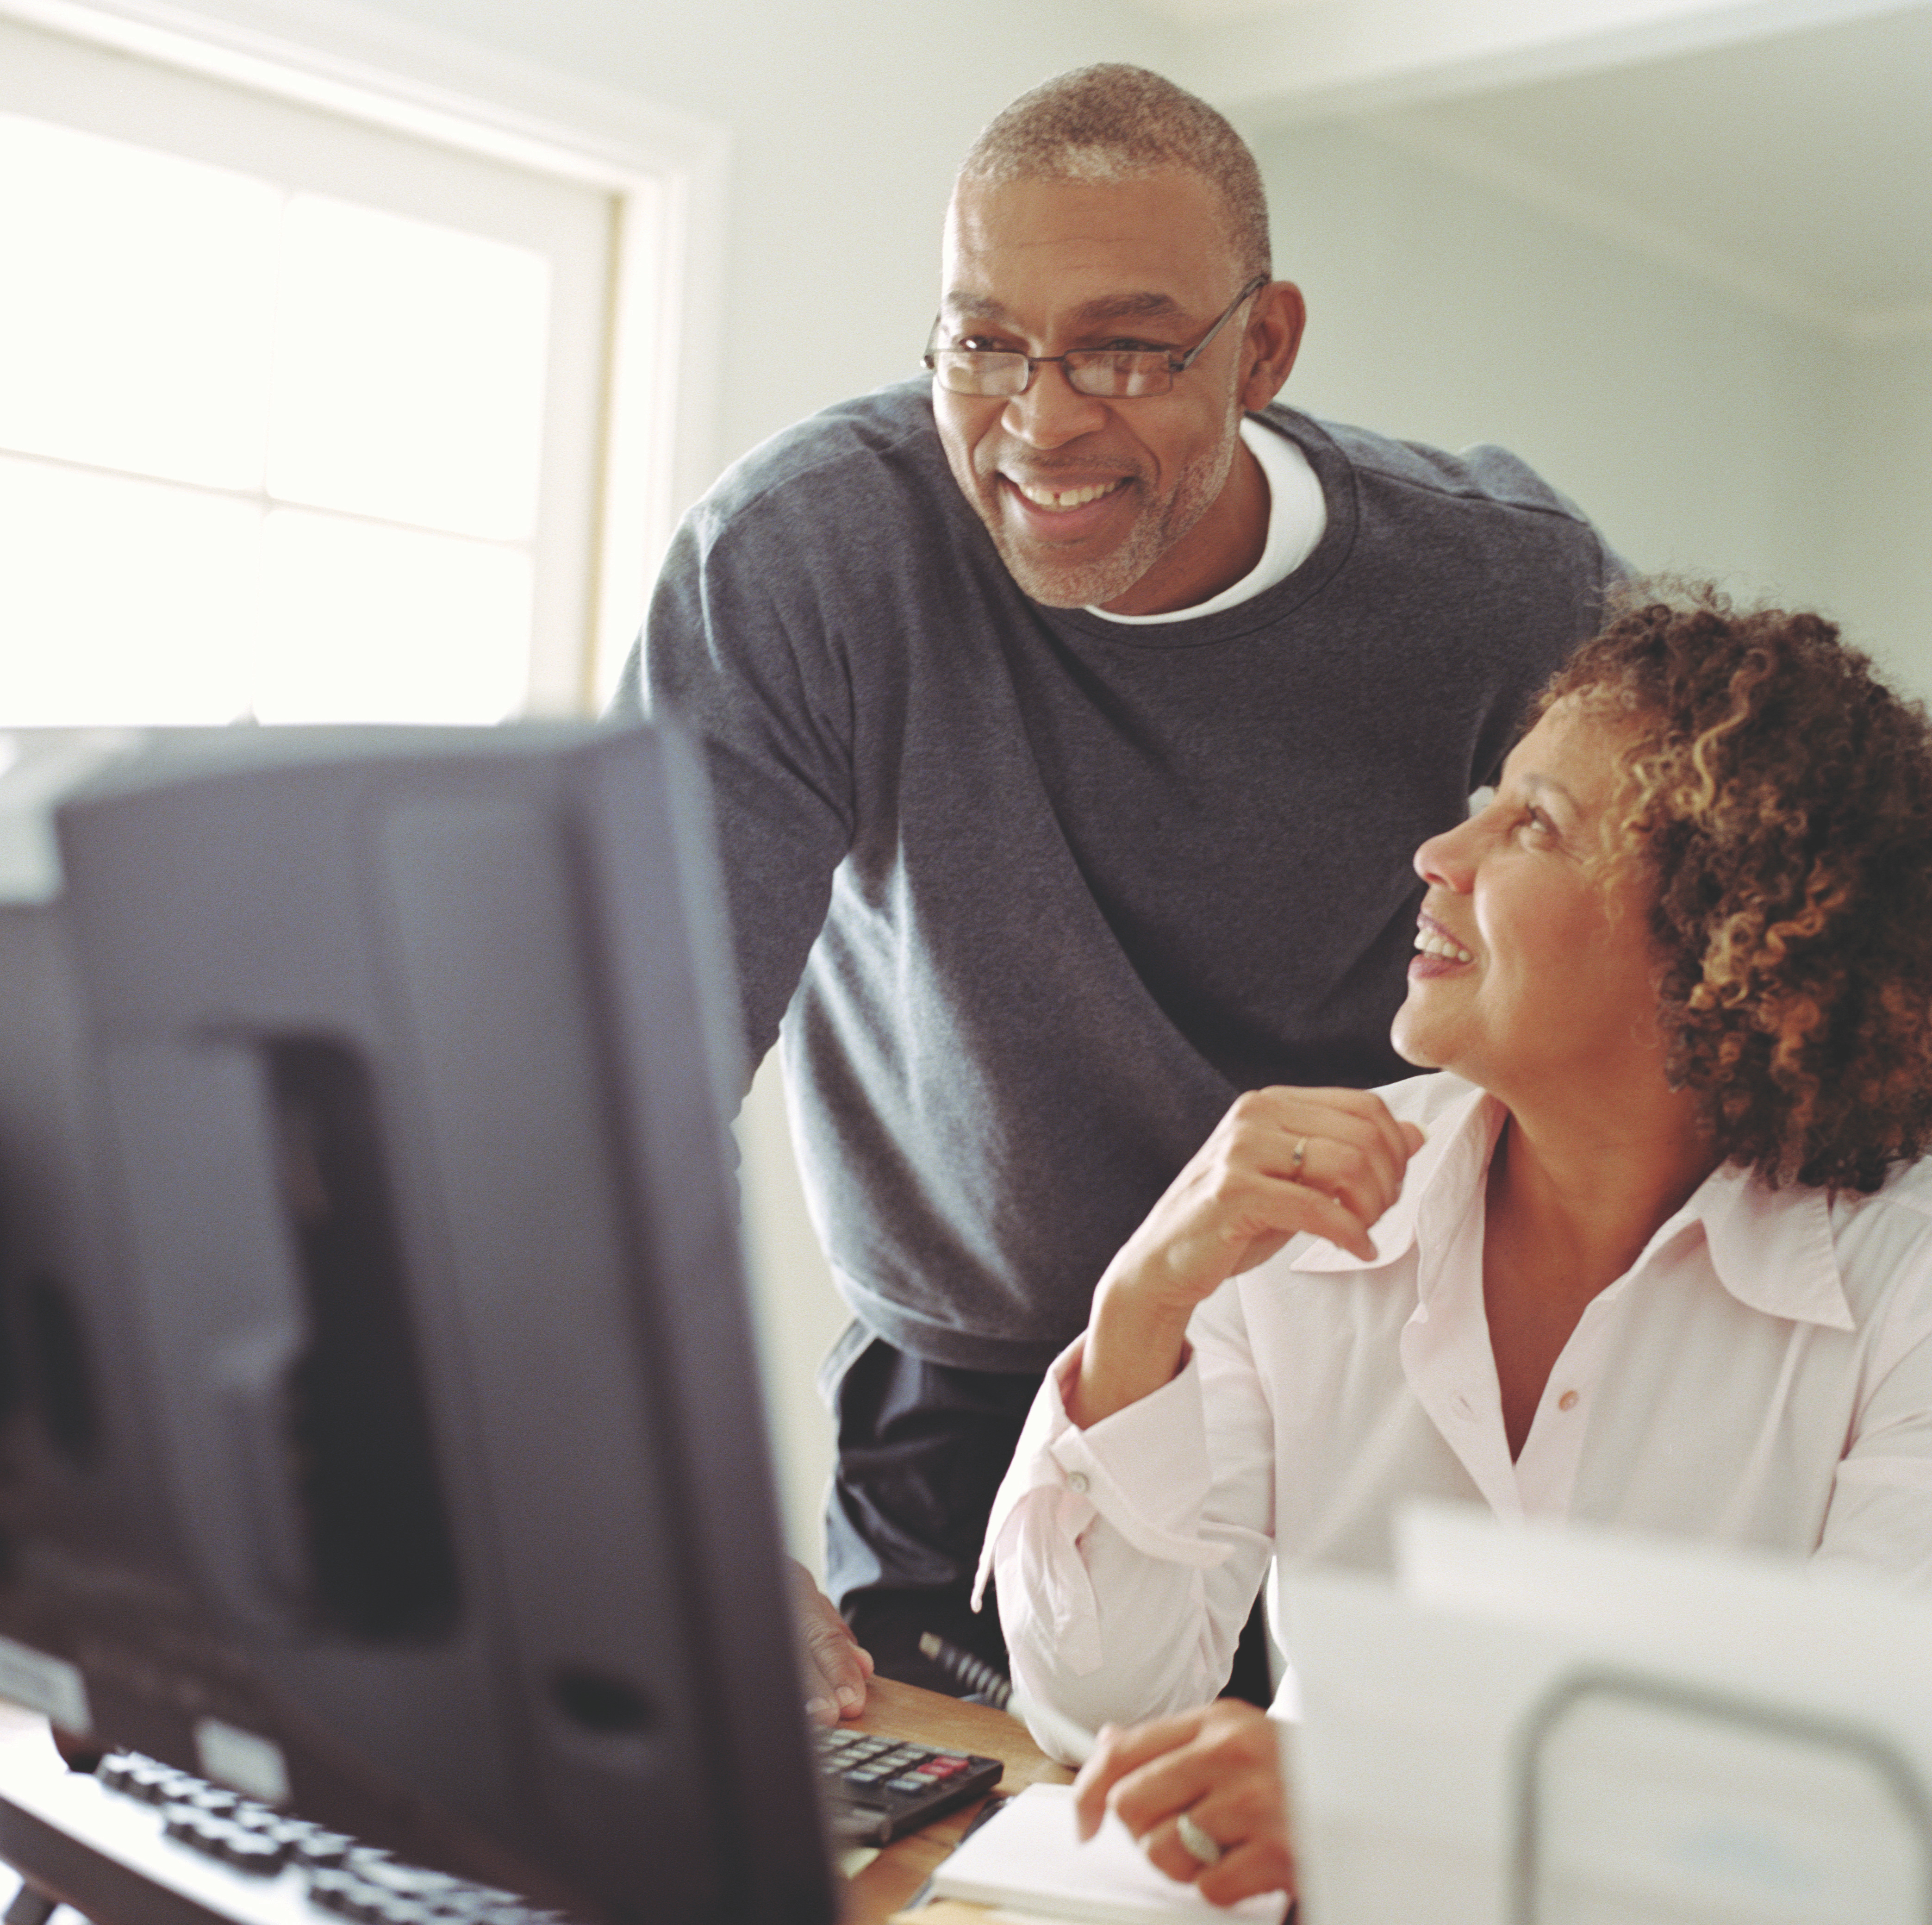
x=1094, y=584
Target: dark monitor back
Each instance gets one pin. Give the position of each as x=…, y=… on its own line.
x=379, y=1426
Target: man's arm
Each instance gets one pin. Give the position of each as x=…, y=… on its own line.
x=729, y=648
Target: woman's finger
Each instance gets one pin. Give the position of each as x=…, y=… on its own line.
x=1241, y=1865
x=1168, y=1850
x=1347, y=1174
x=1257, y=1864
x=1356, y=1116
x=1320, y=1214
x=1119, y=1750
x=1352, y=1150
x=1361, y=1158
x=1153, y=1795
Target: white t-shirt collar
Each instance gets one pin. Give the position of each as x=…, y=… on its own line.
x=1297, y=517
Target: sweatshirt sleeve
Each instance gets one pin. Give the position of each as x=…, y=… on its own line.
x=1127, y=1556
x=732, y=647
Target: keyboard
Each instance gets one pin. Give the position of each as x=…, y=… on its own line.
x=137, y=1839
x=879, y=1789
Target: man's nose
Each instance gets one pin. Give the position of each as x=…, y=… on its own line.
x=1052, y=412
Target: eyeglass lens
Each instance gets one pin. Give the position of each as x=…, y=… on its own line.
x=1113, y=376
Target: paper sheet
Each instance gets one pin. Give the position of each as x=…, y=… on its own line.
x=1031, y=1859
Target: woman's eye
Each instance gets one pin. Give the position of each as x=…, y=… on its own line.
x=1534, y=823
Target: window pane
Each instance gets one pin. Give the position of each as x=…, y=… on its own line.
x=126, y=602
x=410, y=372
x=134, y=328
x=364, y=623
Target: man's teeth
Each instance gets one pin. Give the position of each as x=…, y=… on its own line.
x=1065, y=498
x=1431, y=944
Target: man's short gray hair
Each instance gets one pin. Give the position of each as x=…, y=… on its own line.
x=1115, y=122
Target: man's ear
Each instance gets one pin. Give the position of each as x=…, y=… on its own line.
x=1273, y=337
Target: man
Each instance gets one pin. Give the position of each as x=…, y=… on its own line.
x=1072, y=716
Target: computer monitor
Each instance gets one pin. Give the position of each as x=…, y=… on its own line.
x=380, y=1431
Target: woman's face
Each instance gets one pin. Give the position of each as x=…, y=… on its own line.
x=1533, y=975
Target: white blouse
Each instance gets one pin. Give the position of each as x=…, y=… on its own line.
x=1761, y=1375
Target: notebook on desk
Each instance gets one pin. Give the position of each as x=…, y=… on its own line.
x=1030, y=1857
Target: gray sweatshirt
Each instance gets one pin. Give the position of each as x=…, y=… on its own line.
x=1036, y=894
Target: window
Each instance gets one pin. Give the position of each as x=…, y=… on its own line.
x=304, y=417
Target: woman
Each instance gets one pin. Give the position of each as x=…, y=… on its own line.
x=1653, y=1252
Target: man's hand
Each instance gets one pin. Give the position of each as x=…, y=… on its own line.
x=835, y=1666
x=1281, y=1161
x=1221, y=1767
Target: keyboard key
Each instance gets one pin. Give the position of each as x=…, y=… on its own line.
x=202, y=1830
x=330, y=1891
x=250, y=1852
x=410, y=1881
x=314, y=1844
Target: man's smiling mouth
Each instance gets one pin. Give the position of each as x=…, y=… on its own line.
x=1064, y=498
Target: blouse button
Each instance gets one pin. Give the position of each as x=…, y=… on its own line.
x=1567, y=1401
x=1076, y=1480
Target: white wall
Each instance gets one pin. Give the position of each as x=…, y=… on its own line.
x=1881, y=504
x=798, y=1314
x=1703, y=433
x=1442, y=311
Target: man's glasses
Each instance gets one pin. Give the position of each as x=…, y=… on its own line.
x=1109, y=373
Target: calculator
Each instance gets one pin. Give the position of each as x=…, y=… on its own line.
x=880, y=1789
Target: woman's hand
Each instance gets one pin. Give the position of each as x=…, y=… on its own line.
x=1281, y=1161
x=1221, y=1767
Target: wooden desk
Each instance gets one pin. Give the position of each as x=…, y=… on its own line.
x=925, y=1717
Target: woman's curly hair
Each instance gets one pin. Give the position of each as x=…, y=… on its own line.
x=1779, y=796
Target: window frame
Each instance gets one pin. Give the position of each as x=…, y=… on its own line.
x=664, y=172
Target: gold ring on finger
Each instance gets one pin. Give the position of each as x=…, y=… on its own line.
x=1299, y=1157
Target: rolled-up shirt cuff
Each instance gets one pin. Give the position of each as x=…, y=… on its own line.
x=1144, y=1469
